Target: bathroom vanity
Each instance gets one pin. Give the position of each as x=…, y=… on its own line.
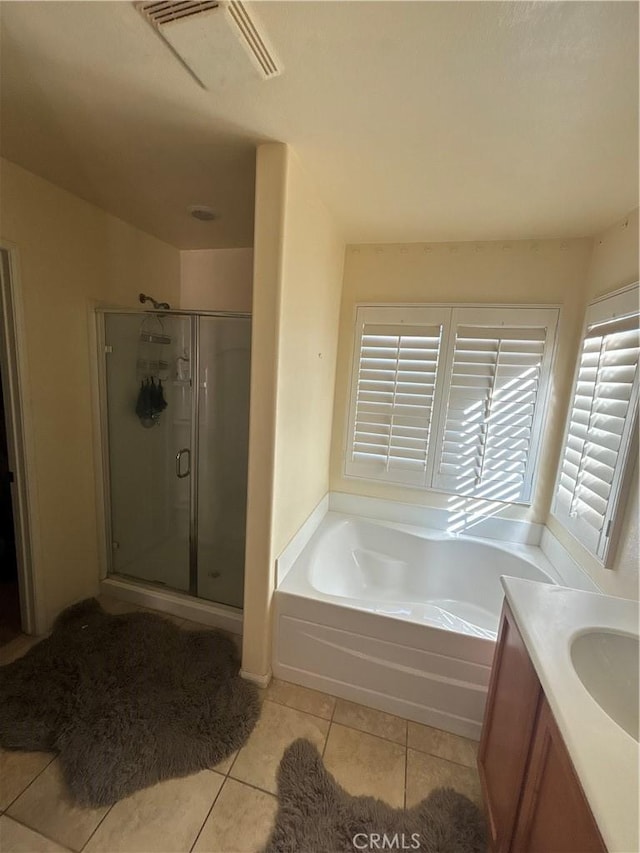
x=558, y=757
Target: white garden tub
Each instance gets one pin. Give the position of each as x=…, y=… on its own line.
x=400, y=618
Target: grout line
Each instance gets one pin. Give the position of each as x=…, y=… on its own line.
x=29, y=784
x=235, y=758
x=333, y=713
x=254, y=786
x=371, y=734
x=453, y=761
x=326, y=741
x=331, y=720
x=292, y=708
x=38, y=832
x=215, y=800
x=406, y=772
x=98, y=825
x=441, y=758
x=406, y=760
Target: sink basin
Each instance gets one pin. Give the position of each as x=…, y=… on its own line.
x=607, y=664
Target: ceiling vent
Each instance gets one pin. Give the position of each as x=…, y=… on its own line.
x=221, y=42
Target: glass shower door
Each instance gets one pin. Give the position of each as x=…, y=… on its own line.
x=149, y=413
x=224, y=358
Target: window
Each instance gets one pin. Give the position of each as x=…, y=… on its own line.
x=450, y=398
x=602, y=422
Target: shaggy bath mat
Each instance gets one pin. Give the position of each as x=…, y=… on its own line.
x=126, y=701
x=316, y=815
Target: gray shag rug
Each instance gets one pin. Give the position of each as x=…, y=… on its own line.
x=126, y=701
x=315, y=815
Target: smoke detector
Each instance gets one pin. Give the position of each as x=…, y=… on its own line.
x=202, y=212
x=221, y=42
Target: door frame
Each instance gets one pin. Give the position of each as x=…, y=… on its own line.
x=20, y=440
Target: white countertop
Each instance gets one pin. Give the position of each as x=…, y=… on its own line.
x=605, y=757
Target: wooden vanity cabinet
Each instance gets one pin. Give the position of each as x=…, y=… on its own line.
x=512, y=707
x=533, y=798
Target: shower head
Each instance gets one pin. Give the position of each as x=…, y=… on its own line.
x=157, y=305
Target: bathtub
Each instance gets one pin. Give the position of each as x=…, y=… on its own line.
x=400, y=618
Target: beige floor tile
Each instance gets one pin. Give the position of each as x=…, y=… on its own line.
x=442, y=744
x=47, y=807
x=240, y=821
x=16, y=648
x=166, y=817
x=17, y=770
x=15, y=838
x=301, y=698
x=364, y=764
x=426, y=772
x=258, y=760
x=371, y=721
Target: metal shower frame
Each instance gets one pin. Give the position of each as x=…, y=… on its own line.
x=100, y=313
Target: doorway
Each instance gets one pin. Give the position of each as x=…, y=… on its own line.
x=10, y=620
x=17, y=593
x=176, y=418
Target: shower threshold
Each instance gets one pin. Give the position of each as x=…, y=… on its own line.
x=178, y=604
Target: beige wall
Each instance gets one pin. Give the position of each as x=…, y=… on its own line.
x=71, y=255
x=614, y=261
x=312, y=267
x=542, y=272
x=271, y=172
x=613, y=264
x=298, y=275
x=216, y=279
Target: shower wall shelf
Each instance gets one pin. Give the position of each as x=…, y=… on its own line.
x=150, y=338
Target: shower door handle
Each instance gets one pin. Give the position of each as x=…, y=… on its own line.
x=179, y=474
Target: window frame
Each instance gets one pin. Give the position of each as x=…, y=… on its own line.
x=387, y=312
x=616, y=306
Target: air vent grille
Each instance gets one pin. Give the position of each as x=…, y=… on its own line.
x=163, y=12
x=254, y=42
x=225, y=48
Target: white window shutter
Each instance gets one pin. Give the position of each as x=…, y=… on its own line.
x=497, y=377
x=601, y=424
x=393, y=395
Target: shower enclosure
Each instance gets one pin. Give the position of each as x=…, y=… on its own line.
x=175, y=421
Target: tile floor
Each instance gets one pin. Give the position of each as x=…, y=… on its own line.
x=231, y=807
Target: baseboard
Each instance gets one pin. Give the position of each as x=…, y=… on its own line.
x=486, y=527
x=294, y=548
x=259, y=680
x=182, y=606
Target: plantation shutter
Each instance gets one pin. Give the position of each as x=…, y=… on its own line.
x=497, y=378
x=396, y=367
x=599, y=430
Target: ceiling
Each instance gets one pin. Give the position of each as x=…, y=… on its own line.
x=417, y=120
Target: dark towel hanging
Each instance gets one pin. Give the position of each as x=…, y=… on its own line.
x=151, y=401
x=158, y=402
x=162, y=403
x=143, y=403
